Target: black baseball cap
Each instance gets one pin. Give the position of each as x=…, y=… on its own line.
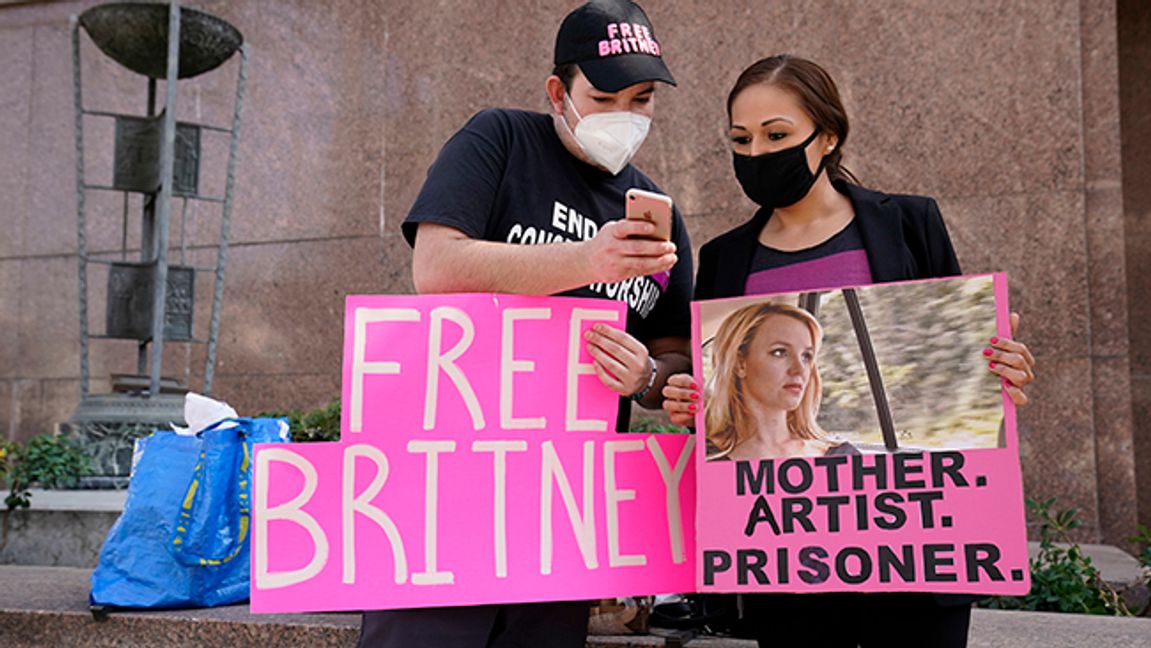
x=613, y=44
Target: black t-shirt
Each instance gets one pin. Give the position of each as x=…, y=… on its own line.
x=507, y=177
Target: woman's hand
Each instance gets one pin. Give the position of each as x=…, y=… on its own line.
x=681, y=399
x=621, y=361
x=1013, y=362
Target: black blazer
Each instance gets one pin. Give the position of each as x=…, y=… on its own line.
x=903, y=236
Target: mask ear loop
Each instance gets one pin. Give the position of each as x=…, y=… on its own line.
x=822, y=166
x=826, y=157
x=822, y=159
x=567, y=98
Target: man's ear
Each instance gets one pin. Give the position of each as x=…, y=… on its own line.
x=556, y=91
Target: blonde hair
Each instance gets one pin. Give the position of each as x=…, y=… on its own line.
x=726, y=413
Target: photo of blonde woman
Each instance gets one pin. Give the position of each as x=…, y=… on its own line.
x=765, y=386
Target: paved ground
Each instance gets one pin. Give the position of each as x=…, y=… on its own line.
x=47, y=606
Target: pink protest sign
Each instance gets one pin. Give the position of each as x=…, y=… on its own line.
x=855, y=440
x=475, y=466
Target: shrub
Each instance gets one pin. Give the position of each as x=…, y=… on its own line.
x=321, y=424
x=1063, y=579
x=647, y=425
x=45, y=460
x=1143, y=538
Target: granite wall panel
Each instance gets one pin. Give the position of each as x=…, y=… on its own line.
x=48, y=324
x=310, y=164
x=1134, y=27
x=9, y=317
x=53, y=402
x=252, y=394
x=285, y=310
x=15, y=97
x=27, y=410
x=1115, y=452
x=1057, y=448
x=7, y=424
x=1141, y=413
x=50, y=222
x=395, y=264
x=1102, y=163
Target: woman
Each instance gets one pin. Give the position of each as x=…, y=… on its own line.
x=816, y=228
x=765, y=386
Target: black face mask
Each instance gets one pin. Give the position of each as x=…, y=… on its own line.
x=778, y=179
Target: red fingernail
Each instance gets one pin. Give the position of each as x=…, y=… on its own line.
x=991, y=365
x=995, y=340
x=987, y=352
x=694, y=396
x=693, y=386
x=691, y=408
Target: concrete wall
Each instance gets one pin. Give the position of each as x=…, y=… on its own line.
x=1008, y=113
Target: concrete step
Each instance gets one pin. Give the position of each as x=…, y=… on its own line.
x=43, y=598
x=47, y=607
x=63, y=528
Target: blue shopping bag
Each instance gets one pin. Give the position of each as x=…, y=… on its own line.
x=183, y=538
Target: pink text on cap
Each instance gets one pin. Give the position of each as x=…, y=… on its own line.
x=628, y=38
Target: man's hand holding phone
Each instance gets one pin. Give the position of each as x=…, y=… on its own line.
x=635, y=246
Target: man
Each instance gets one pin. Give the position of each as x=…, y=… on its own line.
x=530, y=203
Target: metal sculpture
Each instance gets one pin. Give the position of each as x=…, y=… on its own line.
x=150, y=300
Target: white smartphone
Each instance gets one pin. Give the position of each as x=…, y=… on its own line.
x=653, y=208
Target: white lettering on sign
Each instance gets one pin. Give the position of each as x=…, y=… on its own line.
x=289, y=511
x=361, y=503
x=509, y=366
x=576, y=369
x=360, y=366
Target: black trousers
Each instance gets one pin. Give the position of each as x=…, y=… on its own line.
x=848, y=620
x=525, y=625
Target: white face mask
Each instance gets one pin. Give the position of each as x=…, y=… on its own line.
x=610, y=139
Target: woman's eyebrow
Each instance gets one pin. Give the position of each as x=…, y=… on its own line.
x=765, y=123
x=790, y=345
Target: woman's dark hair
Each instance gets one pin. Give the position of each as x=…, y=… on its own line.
x=816, y=92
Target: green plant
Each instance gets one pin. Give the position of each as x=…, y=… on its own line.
x=6, y=450
x=321, y=424
x=646, y=425
x=1063, y=579
x=1143, y=538
x=46, y=460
